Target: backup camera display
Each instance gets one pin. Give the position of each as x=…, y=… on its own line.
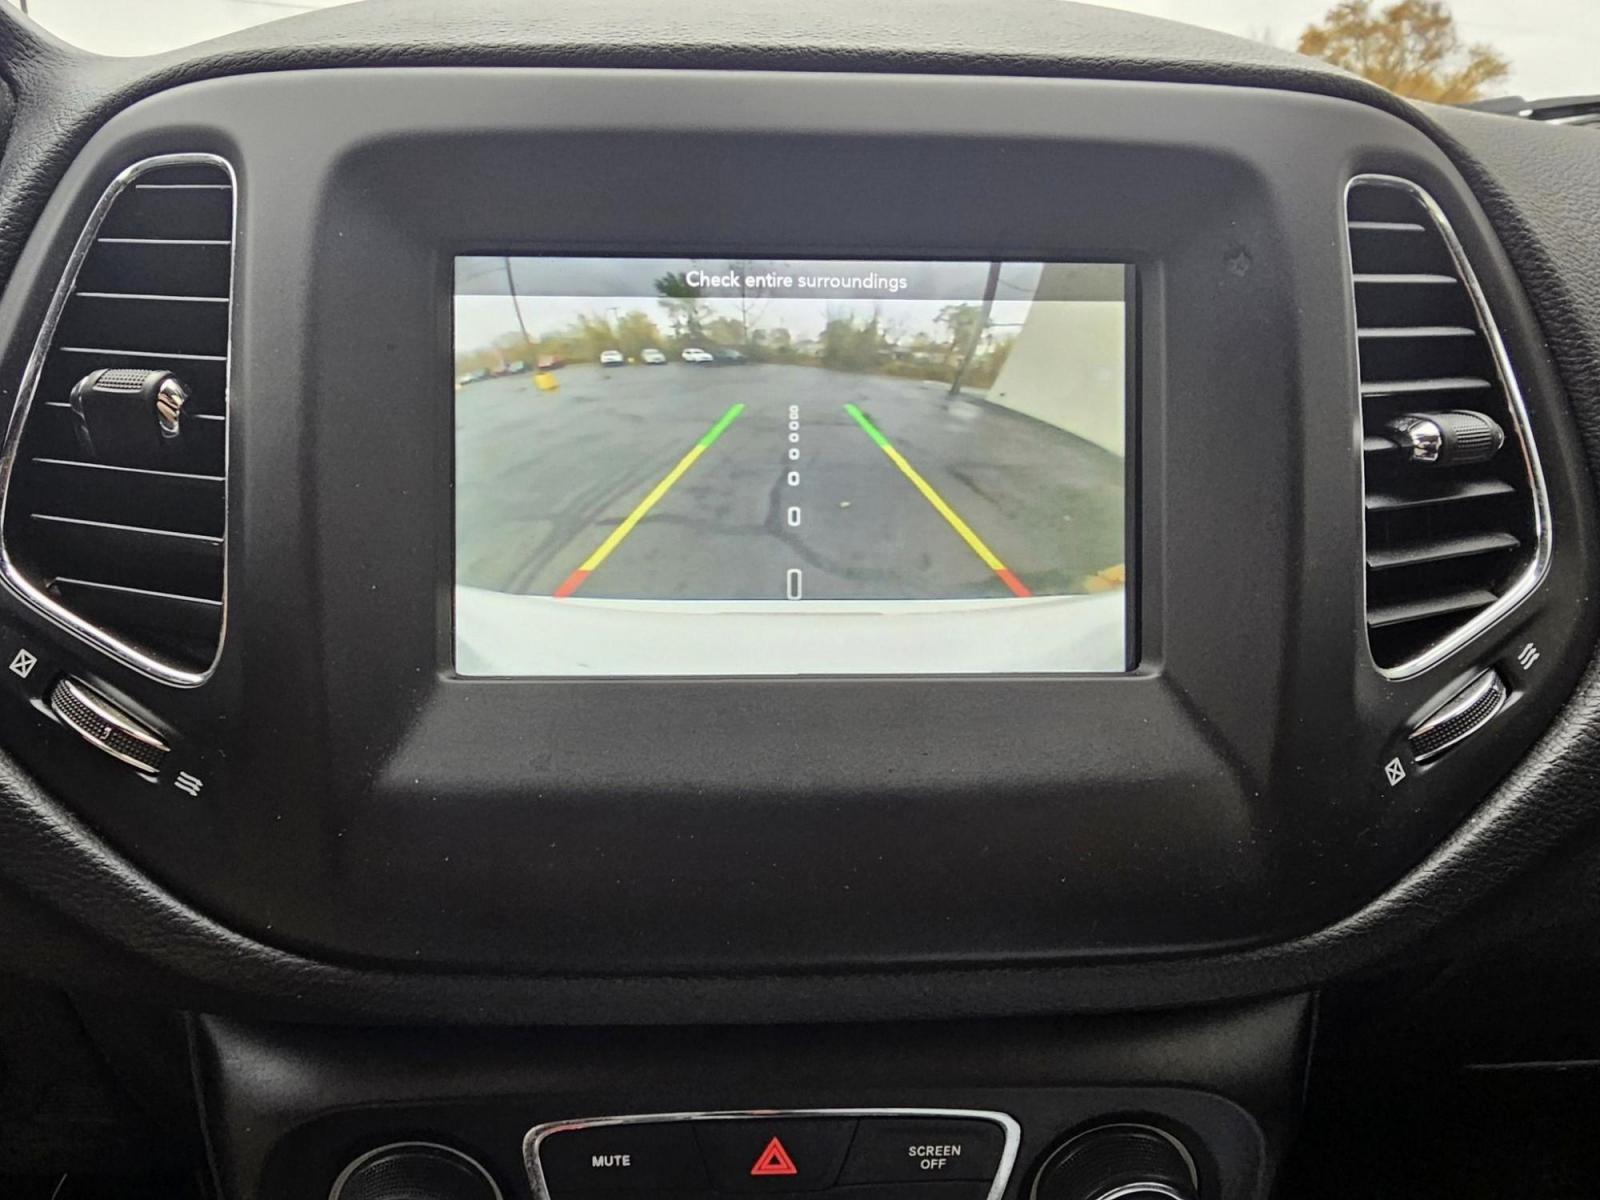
x=760, y=467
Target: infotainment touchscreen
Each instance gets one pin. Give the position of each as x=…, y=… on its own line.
x=713, y=466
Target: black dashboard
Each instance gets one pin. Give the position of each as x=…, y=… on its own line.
x=245, y=772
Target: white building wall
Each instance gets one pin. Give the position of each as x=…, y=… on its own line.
x=1067, y=368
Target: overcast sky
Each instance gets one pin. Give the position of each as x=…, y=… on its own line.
x=556, y=291
x=1553, y=45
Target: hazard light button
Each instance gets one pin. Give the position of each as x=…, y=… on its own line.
x=778, y=1155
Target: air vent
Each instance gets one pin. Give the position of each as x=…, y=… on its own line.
x=115, y=504
x=1457, y=523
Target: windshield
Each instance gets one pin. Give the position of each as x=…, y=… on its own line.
x=1452, y=51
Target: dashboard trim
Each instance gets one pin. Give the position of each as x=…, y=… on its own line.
x=134, y=857
x=997, y=1189
x=12, y=575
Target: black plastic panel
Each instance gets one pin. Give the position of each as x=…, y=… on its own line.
x=362, y=805
x=287, y=1107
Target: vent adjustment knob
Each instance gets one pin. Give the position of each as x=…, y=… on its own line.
x=105, y=726
x=1448, y=439
x=128, y=416
x=1459, y=717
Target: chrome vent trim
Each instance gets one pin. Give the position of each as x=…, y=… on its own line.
x=43, y=603
x=1524, y=584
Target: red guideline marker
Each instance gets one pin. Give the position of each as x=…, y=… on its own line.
x=571, y=583
x=1018, y=588
x=973, y=541
x=774, y=1160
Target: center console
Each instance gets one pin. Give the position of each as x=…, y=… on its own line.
x=1170, y=1105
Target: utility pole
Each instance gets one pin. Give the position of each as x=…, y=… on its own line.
x=511, y=287
x=744, y=307
x=991, y=285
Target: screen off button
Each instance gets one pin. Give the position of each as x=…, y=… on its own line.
x=904, y=1151
x=603, y=1158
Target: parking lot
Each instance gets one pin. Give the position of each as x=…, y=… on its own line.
x=824, y=510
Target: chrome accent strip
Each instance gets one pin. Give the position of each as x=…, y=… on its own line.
x=357, y=1164
x=1140, y=1189
x=1463, y=701
x=1406, y=387
x=116, y=241
x=94, y=466
x=1382, y=332
x=1384, y=277
x=221, y=358
x=172, y=533
x=135, y=591
x=1524, y=585
x=10, y=573
x=152, y=296
x=1008, y=1124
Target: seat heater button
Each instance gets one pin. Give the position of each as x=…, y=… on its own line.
x=777, y=1154
x=603, y=1158
x=904, y=1151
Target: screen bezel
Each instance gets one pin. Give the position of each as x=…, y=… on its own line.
x=1131, y=375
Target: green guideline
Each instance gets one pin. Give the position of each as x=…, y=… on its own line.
x=860, y=418
x=715, y=431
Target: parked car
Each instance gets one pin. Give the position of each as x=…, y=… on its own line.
x=612, y=358
x=650, y=356
x=693, y=354
x=729, y=358
x=551, y=362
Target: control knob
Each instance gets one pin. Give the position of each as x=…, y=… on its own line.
x=1447, y=439
x=415, y=1171
x=129, y=417
x=1119, y=1162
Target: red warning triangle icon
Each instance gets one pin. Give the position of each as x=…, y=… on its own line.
x=774, y=1160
